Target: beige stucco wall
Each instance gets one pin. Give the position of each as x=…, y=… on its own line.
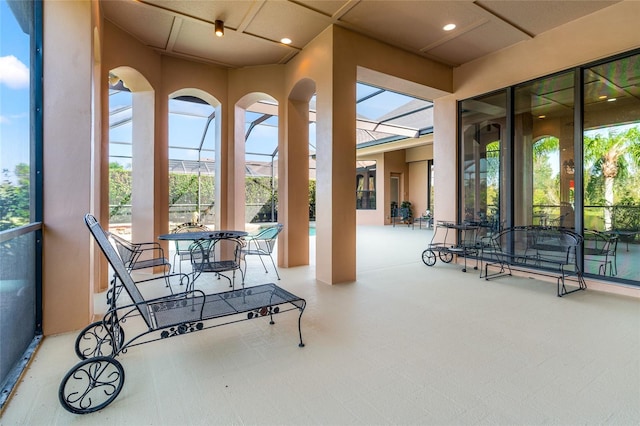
x=418, y=187
x=395, y=164
x=417, y=158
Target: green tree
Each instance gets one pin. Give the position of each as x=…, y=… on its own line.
x=493, y=174
x=119, y=188
x=546, y=184
x=608, y=158
x=14, y=197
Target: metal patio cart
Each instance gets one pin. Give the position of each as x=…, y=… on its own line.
x=96, y=381
x=459, y=239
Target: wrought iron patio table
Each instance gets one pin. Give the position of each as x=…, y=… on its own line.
x=201, y=236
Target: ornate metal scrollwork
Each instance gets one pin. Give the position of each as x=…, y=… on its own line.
x=99, y=339
x=263, y=311
x=182, y=329
x=168, y=305
x=91, y=385
x=237, y=293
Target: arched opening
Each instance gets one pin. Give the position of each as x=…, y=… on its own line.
x=193, y=129
x=261, y=136
x=131, y=165
x=547, y=203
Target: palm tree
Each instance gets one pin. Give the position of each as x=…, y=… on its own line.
x=546, y=186
x=606, y=153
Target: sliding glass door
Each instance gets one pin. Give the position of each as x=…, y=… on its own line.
x=564, y=151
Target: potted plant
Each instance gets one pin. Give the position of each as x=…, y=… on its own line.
x=406, y=212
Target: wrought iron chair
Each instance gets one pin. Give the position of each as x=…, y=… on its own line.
x=182, y=247
x=601, y=247
x=136, y=256
x=218, y=256
x=262, y=244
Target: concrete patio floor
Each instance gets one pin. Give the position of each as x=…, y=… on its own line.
x=403, y=344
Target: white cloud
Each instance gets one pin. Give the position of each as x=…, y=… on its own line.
x=13, y=73
x=4, y=120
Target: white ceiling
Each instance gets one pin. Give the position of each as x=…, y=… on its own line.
x=253, y=28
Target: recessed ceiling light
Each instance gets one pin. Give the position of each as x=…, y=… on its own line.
x=542, y=116
x=449, y=27
x=285, y=40
x=611, y=100
x=602, y=97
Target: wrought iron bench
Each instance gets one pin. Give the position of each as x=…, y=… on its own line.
x=537, y=250
x=96, y=381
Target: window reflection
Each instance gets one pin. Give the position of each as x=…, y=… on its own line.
x=548, y=179
x=482, y=129
x=544, y=140
x=366, y=185
x=612, y=162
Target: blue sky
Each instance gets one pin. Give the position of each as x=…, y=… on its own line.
x=14, y=91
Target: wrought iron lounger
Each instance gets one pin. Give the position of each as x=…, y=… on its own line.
x=96, y=381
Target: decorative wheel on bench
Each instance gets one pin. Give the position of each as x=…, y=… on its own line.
x=95, y=340
x=91, y=385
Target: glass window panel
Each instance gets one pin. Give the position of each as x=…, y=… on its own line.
x=366, y=185
x=20, y=125
x=544, y=186
x=483, y=130
x=15, y=114
x=544, y=142
x=612, y=163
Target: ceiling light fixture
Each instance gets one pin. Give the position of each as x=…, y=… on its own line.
x=285, y=40
x=219, y=25
x=542, y=117
x=449, y=27
x=611, y=100
x=602, y=97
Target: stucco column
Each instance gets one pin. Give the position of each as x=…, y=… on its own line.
x=143, y=167
x=335, y=171
x=236, y=176
x=445, y=155
x=294, y=180
x=67, y=286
